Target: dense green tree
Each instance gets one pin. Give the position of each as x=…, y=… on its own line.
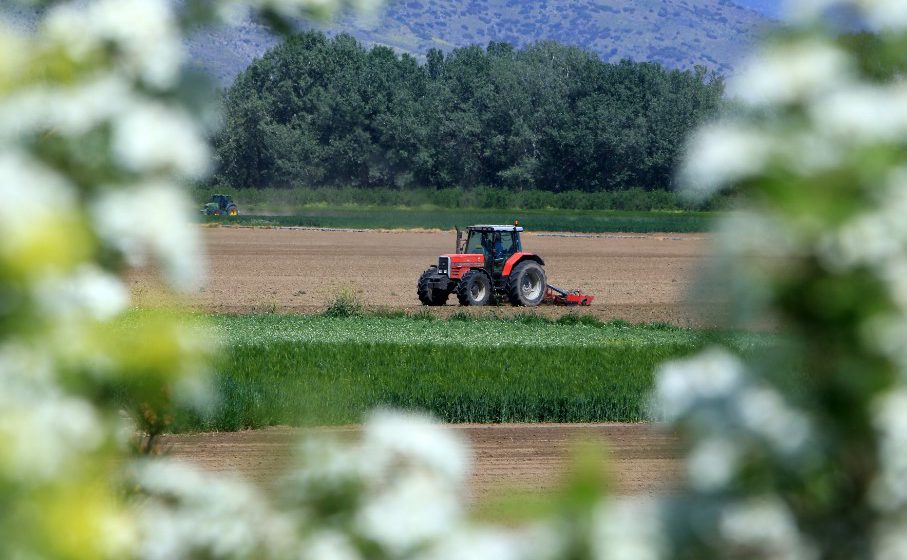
x=316, y=111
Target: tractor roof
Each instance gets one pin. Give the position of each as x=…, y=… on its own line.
x=487, y=228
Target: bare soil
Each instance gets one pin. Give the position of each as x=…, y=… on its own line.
x=642, y=459
x=638, y=278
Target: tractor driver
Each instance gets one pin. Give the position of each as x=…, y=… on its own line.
x=500, y=254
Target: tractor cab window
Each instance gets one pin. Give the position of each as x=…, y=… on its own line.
x=503, y=244
x=477, y=242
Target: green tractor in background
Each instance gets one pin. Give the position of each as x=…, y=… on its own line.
x=220, y=205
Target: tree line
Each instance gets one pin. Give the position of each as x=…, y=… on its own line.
x=319, y=111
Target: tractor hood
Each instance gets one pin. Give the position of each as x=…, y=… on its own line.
x=465, y=259
x=455, y=265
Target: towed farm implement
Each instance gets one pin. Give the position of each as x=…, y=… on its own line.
x=489, y=267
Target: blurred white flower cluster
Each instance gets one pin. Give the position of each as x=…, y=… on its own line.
x=879, y=14
x=394, y=491
x=73, y=151
x=95, y=143
x=799, y=454
x=813, y=434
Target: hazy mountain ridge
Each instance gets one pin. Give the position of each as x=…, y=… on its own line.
x=677, y=33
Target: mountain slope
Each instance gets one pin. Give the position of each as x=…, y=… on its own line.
x=677, y=33
x=770, y=8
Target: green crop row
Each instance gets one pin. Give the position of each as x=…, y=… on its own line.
x=533, y=220
x=304, y=370
x=294, y=200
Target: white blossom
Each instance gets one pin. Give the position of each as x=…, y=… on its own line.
x=862, y=114
x=885, y=333
x=790, y=72
x=680, y=384
x=88, y=290
x=890, y=415
x=411, y=511
x=392, y=439
x=764, y=412
x=12, y=44
x=144, y=33
x=886, y=14
x=482, y=544
x=722, y=153
x=767, y=525
x=42, y=432
x=152, y=137
x=628, y=529
x=876, y=238
x=889, y=15
x=32, y=194
x=188, y=514
x=35, y=202
x=864, y=239
x=329, y=544
x=70, y=110
x=712, y=463
x=809, y=11
x=890, y=542
x=325, y=470
x=151, y=219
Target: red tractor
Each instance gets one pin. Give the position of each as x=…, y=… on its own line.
x=489, y=267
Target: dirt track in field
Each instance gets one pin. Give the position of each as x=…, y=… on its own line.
x=635, y=277
x=523, y=457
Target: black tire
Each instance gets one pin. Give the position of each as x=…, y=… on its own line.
x=527, y=284
x=427, y=295
x=475, y=289
x=232, y=210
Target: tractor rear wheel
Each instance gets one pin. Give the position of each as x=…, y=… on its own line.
x=232, y=210
x=475, y=289
x=526, y=284
x=428, y=295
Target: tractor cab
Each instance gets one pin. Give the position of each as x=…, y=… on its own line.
x=495, y=243
x=222, y=200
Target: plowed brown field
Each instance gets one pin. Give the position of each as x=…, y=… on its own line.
x=525, y=457
x=638, y=278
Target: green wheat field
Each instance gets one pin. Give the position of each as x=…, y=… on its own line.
x=324, y=370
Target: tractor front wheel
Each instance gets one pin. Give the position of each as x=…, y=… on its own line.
x=527, y=284
x=427, y=294
x=475, y=289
